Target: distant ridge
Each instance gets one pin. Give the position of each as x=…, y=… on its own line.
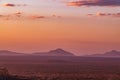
x=56, y=52
x=9, y=53
x=113, y=53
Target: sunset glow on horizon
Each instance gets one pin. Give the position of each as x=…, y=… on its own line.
x=78, y=26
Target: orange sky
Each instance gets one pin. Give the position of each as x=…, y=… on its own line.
x=50, y=27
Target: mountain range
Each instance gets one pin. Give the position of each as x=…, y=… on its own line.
x=58, y=52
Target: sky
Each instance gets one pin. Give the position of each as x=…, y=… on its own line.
x=79, y=26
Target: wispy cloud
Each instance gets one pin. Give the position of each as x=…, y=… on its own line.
x=36, y=17
x=105, y=14
x=13, y=5
x=94, y=3
x=21, y=16
x=56, y=16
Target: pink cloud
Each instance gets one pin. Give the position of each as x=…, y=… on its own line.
x=13, y=5
x=20, y=16
x=105, y=14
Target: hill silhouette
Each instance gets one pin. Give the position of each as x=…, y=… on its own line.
x=56, y=52
x=113, y=53
x=9, y=53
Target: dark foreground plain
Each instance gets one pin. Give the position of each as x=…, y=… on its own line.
x=60, y=68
